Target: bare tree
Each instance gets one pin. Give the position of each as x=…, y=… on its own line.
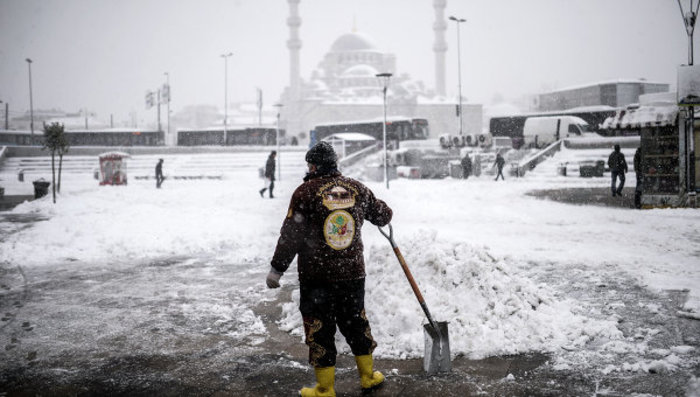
x=62, y=149
x=55, y=141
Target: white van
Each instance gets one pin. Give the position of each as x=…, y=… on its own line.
x=541, y=131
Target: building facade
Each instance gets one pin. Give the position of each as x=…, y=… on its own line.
x=344, y=86
x=613, y=93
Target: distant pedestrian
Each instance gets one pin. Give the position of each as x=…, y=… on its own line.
x=618, y=167
x=500, y=162
x=269, y=174
x=639, y=171
x=159, y=173
x=466, y=166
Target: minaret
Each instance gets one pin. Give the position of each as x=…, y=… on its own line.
x=440, y=45
x=294, y=45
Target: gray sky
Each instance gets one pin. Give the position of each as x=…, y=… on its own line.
x=105, y=54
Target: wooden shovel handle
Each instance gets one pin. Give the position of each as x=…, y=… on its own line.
x=409, y=276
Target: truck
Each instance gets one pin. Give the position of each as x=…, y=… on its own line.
x=540, y=132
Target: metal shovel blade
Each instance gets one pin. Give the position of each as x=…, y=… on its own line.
x=437, y=349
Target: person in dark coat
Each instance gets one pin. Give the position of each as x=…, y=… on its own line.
x=322, y=229
x=269, y=174
x=500, y=162
x=466, y=166
x=639, y=172
x=159, y=173
x=618, y=167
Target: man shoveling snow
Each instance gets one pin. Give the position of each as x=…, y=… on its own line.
x=322, y=227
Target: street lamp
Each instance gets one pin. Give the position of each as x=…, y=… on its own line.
x=167, y=98
x=277, y=140
x=689, y=19
x=31, y=101
x=7, y=111
x=459, y=68
x=385, y=80
x=226, y=56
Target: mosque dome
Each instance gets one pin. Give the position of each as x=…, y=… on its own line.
x=353, y=42
x=360, y=71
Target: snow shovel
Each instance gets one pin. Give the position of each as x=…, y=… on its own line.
x=437, y=339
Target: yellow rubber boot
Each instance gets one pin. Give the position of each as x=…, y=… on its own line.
x=369, y=378
x=325, y=384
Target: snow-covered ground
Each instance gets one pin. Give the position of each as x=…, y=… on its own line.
x=480, y=251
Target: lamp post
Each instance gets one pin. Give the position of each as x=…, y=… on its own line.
x=277, y=141
x=689, y=19
x=226, y=56
x=7, y=111
x=31, y=101
x=385, y=81
x=166, y=94
x=459, y=68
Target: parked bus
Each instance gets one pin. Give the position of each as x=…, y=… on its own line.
x=108, y=137
x=262, y=136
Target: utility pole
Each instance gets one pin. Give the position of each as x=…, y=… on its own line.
x=7, y=115
x=277, y=140
x=226, y=57
x=159, y=128
x=166, y=94
x=459, y=68
x=689, y=19
x=385, y=80
x=260, y=105
x=31, y=101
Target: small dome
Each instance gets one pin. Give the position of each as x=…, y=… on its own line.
x=353, y=42
x=360, y=71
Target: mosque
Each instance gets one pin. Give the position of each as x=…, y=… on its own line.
x=344, y=86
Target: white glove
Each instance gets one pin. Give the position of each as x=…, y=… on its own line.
x=273, y=279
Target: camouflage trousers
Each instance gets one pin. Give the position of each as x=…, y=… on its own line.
x=340, y=304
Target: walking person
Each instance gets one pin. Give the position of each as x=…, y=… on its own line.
x=618, y=167
x=159, y=173
x=466, y=166
x=500, y=162
x=639, y=172
x=270, y=166
x=322, y=228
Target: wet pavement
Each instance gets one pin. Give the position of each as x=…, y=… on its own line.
x=214, y=363
x=9, y=202
x=598, y=196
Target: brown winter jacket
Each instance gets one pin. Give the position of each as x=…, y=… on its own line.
x=323, y=227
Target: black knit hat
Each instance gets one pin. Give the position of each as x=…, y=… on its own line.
x=321, y=154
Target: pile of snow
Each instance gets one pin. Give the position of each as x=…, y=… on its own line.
x=490, y=307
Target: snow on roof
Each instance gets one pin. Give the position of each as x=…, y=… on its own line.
x=389, y=119
x=107, y=155
x=592, y=108
x=350, y=136
x=643, y=116
x=618, y=81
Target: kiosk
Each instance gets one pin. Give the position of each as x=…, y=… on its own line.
x=113, y=168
